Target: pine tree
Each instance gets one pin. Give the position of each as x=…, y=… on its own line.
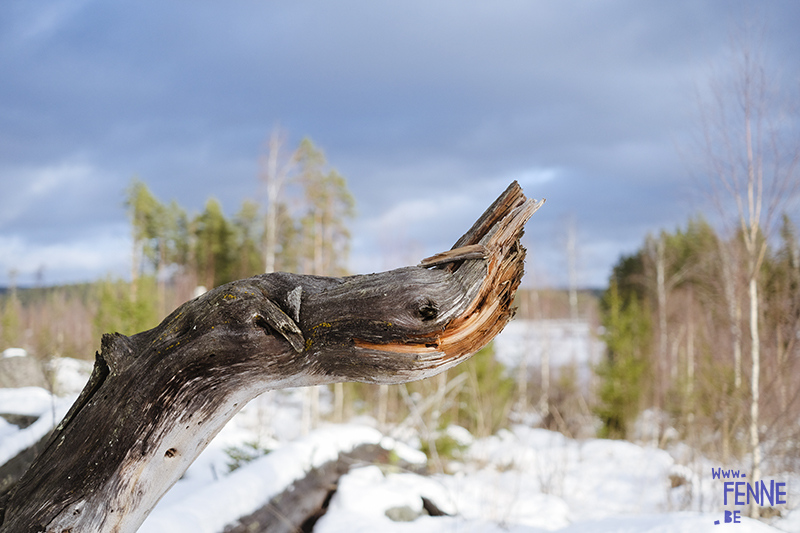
x=329, y=205
x=248, y=228
x=160, y=239
x=146, y=214
x=118, y=312
x=289, y=246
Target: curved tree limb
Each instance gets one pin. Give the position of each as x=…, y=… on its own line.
x=157, y=398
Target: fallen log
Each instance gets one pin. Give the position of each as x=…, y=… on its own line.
x=299, y=506
x=156, y=399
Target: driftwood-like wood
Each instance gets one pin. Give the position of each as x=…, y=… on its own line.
x=156, y=399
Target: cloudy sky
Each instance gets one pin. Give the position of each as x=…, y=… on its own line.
x=429, y=108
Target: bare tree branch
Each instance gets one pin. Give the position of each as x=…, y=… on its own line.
x=156, y=399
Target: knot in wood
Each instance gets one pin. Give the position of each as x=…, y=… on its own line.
x=428, y=310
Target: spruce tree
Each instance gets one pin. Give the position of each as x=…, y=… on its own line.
x=627, y=338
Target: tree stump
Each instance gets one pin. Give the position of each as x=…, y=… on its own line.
x=156, y=399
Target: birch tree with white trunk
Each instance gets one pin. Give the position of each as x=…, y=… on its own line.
x=276, y=167
x=751, y=153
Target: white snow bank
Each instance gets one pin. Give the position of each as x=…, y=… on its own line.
x=31, y=401
x=666, y=523
x=525, y=481
x=368, y=490
x=353, y=521
x=245, y=490
x=505, y=498
x=14, y=352
x=348, y=521
x=595, y=477
x=404, y=451
x=365, y=494
x=790, y=522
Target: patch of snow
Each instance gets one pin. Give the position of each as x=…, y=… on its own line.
x=665, y=523
x=790, y=522
x=368, y=490
x=460, y=434
x=566, y=342
x=347, y=521
x=6, y=430
x=365, y=495
x=16, y=440
x=14, y=352
x=404, y=451
x=30, y=401
x=504, y=498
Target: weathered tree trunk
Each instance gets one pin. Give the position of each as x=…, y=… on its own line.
x=156, y=399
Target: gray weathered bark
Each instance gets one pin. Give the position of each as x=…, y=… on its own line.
x=157, y=398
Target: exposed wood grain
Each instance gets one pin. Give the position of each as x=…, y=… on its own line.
x=511, y=198
x=156, y=399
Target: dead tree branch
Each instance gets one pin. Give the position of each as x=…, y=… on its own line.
x=157, y=398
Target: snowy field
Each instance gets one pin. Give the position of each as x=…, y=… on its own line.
x=523, y=480
x=563, y=342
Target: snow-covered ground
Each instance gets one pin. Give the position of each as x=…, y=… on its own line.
x=529, y=480
x=564, y=342
x=522, y=480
